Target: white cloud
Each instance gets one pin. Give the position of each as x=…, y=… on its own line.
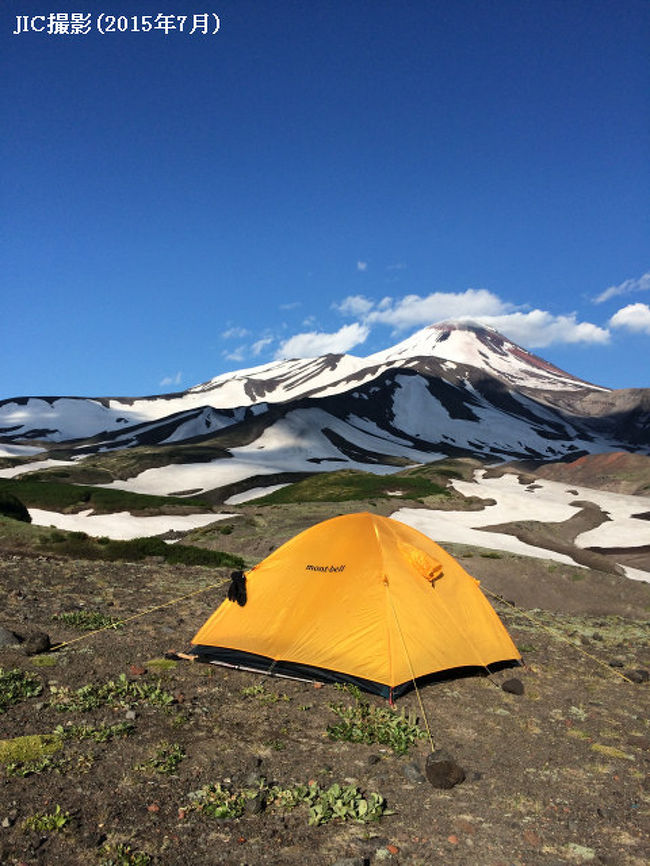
x=414, y=311
x=400, y=266
x=260, y=345
x=634, y=317
x=312, y=344
x=290, y=306
x=172, y=380
x=238, y=355
x=362, y=266
x=642, y=284
x=538, y=328
x=235, y=332
x=354, y=305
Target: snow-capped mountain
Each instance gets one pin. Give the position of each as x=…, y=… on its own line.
x=450, y=389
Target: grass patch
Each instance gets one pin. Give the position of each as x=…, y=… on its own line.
x=86, y=620
x=123, y=855
x=259, y=691
x=38, y=492
x=79, y=546
x=98, y=733
x=17, y=685
x=45, y=764
x=11, y=506
x=349, y=484
x=364, y=723
x=165, y=760
x=122, y=691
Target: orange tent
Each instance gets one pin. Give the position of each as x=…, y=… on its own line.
x=358, y=598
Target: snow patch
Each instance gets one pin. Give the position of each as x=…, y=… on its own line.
x=123, y=526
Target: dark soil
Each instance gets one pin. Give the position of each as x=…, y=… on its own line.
x=558, y=774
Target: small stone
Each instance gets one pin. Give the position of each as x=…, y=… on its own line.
x=256, y=804
x=36, y=643
x=374, y=759
x=392, y=849
x=8, y=638
x=6, y=822
x=442, y=771
x=130, y=715
x=531, y=838
x=639, y=675
x=412, y=773
x=616, y=663
x=513, y=686
x=137, y=670
x=153, y=807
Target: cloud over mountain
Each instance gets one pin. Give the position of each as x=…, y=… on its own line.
x=634, y=317
x=312, y=343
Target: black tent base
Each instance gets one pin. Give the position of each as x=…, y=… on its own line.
x=306, y=673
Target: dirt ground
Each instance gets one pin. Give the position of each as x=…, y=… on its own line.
x=558, y=774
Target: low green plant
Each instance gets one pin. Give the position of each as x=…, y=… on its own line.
x=16, y=686
x=364, y=723
x=121, y=691
x=165, y=760
x=86, y=620
x=218, y=801
x=45, y=764
x=123, y=855
x=47, y=822
x=99, y=734
x=337, y=802
x=259, y=691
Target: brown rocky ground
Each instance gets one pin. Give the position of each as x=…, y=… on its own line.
x=556, y=775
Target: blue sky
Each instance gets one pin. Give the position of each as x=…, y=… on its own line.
x=321, y=176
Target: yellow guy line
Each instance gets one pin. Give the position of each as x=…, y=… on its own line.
x=137, y=615
x=415, y=685
x=556, y=634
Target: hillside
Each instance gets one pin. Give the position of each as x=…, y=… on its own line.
x=557, y=774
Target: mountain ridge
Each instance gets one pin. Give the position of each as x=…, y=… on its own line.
x=453, y=388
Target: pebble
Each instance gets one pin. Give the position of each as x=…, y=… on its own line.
x=442, y=771
x=413, y=773
x=36, y=643
x=8, y=638
x=513, y=686
x=130, y=715
x=639, y=675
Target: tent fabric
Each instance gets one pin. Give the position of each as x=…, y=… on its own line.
x=358, y=598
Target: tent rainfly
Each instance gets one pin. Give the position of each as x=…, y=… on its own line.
x=359, y=598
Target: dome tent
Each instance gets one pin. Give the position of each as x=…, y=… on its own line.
x=358, y=598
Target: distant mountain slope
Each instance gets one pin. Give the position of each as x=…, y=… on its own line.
x=450, y=389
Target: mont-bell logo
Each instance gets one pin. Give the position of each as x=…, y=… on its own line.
x=330, y=569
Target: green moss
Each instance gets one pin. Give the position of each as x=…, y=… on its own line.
x=161, y=664
x=28, y=748
x=611, y=751
x=44, y=661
